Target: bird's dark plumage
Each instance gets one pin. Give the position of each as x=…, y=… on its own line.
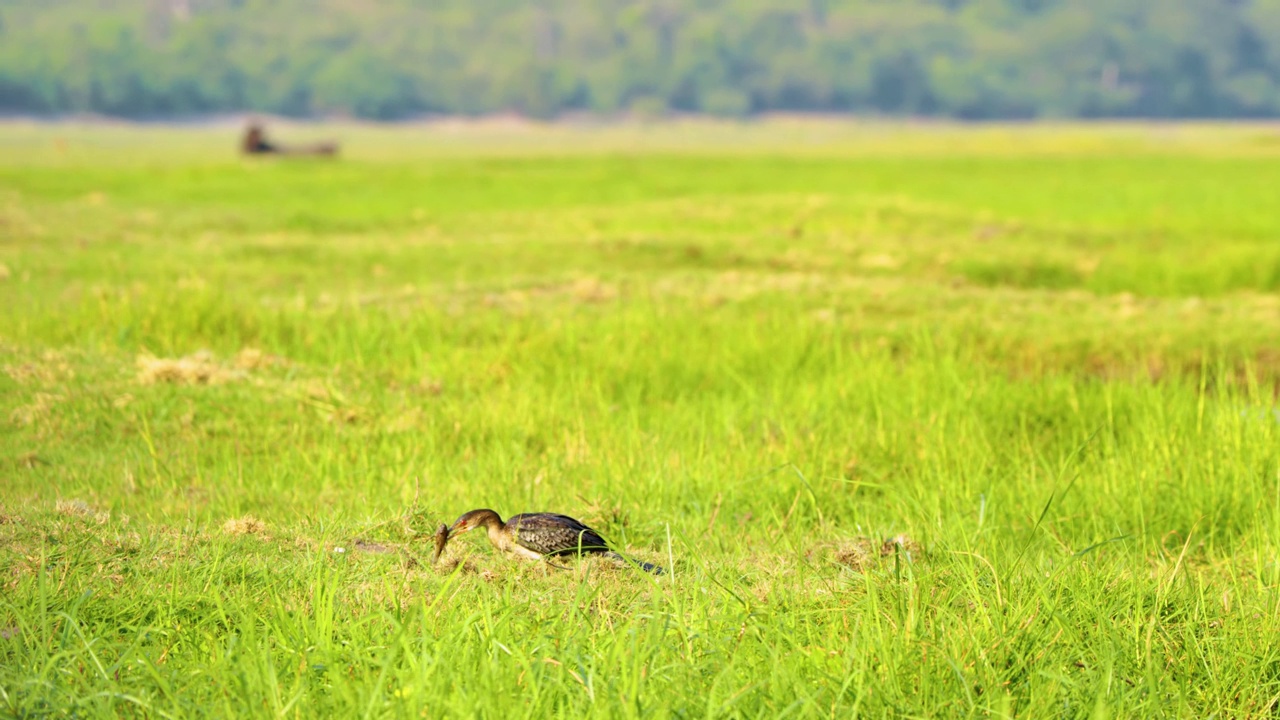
x=541, y=535
x=551, y=534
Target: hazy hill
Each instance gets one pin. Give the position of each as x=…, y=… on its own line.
x=392, y=58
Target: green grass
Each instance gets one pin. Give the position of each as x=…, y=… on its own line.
x=1048, y=356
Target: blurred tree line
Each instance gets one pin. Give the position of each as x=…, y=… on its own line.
x=396, y=58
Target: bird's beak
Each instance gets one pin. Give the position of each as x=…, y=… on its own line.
x=458, y=528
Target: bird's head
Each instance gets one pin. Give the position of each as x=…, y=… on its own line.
x=475, y=518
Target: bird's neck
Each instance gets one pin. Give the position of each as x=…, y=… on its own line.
x=497, y=531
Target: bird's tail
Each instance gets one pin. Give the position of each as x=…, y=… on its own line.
x=647, y=567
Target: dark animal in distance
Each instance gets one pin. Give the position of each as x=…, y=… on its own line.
x=255, y=142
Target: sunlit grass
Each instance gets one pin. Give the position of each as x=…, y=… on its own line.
x=237, y=397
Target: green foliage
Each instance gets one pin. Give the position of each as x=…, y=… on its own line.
x=395, y=58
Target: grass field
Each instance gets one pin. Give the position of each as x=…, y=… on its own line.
x=237, y=396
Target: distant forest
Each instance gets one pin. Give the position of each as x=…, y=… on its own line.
x=399, y=58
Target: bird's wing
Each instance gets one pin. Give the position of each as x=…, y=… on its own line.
x=551, y=534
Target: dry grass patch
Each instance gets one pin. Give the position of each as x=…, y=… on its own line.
x=38, y=409
x=202, y=367
x=373, y=548
x=199, y=368
x=247, y=525
x=590, y=289
x=51, y=368
x=861, y=553
x=255, y=359
x=80, y=509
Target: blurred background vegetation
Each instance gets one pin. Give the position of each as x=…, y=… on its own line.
x=387, y=59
